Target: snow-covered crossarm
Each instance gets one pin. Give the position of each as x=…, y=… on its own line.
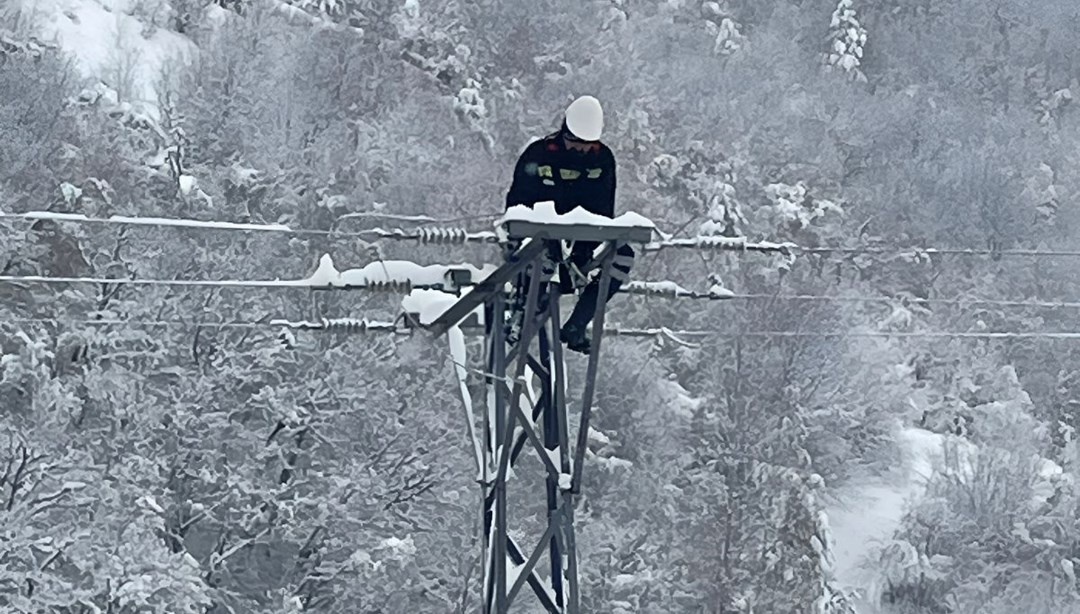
x=711, y=242
x=396, y=275
x=542, y=221
x=544, y=213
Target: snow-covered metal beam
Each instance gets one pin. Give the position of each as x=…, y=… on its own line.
x=541, y=222
x=482, y=292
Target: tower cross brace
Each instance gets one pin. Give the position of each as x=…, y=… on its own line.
x=527, y=413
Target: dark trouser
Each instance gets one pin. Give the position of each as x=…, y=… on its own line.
x=586, y=305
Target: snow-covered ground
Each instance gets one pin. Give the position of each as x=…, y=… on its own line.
x=867, y=513
x=113, y=42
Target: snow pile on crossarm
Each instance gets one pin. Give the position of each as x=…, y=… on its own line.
x=111, y=44
x=386, y=272
x=544, y=213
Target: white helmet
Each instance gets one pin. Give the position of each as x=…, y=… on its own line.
x=585, y=118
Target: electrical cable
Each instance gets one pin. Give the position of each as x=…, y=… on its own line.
x=655, y=290
x=460, y=235
x=360, y=325
x=396, y=286
x=441, y=236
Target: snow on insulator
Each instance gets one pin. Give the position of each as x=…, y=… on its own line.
x=346, y=325
x=483, y=236
x=436, y=236
x=393, y=233
x=395, y=286
x=355, y=325
x=721, y=242
x=718, y=291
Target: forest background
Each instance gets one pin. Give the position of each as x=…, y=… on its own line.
x=195, y=466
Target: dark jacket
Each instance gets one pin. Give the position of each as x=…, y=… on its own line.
x=547, y=170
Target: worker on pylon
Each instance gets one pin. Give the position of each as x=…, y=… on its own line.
x=574, y=169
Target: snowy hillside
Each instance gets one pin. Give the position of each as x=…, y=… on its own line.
x=124, y=44
x=867, y=514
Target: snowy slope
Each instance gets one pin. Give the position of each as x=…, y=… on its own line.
x=869, y=512
x=110, y=42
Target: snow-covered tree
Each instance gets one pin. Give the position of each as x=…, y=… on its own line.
x=847, y=39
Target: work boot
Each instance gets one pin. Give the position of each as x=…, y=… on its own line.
x=575, y=332
x=576, y=338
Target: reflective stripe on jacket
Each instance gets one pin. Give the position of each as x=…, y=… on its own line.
x=547, y=170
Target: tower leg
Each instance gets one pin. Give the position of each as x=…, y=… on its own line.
x=495, y=548
x=511, y=429
x=552, y=442
x=590, y=373
x=565, y=544
x=504, y=430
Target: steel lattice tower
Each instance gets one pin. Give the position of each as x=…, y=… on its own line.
x=528, y=412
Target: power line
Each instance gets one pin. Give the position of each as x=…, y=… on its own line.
x=665, y=332
x=419, y=219
x=358, y=325
x=711, y=242
x=352, y=325
x=394, y=286
x=213, y=283
x=918, y=300
x=656, y=290
x=122, y=220
x=462, y=236
x=136, y=323
x=948, y=251
x=673, y=292
x=423, y=235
